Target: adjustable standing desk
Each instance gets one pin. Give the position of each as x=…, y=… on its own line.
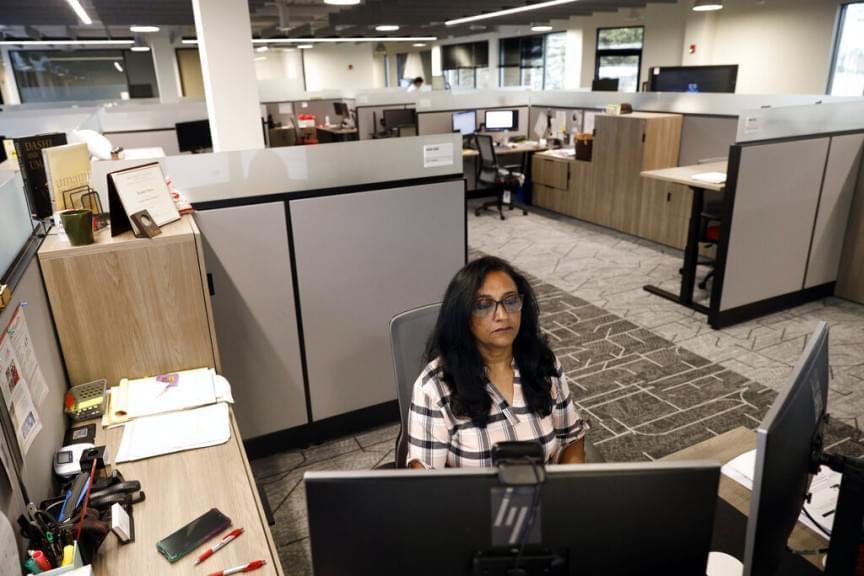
x=684, y=175
x=469, y=156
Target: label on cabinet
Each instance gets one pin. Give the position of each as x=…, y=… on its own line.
x=436, y=155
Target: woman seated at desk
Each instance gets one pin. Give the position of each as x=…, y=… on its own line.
x=491, y=377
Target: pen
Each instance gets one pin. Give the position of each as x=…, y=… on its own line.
x=225, y=540
x=240, y=569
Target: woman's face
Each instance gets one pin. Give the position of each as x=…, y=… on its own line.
x=496, y=325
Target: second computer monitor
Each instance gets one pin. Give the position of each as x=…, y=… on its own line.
x=399, y=118
x=502, y=120
x=465, y=122
x=341, y=109
x=599, y=519
x=787, y=440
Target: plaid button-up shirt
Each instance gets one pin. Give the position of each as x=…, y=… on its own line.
x=437, y=438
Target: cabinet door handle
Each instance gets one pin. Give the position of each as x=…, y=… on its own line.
x=668, y=196
x=210, y=287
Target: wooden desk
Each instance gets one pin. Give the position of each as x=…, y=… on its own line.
x=684, y=175
x=724, y=448
x=179, y=488
x=519, y=148
x=328, y=134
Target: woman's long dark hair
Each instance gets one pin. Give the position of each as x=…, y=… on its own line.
x=462, y=365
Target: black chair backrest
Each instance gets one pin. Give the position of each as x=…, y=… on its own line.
x=487, y=167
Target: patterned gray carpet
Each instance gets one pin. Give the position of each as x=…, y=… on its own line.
x=645, y=396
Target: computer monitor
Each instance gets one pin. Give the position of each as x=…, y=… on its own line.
x=193, y=136
x=788, y=441
x=341, y=109
x=502, y=120
x=399, y=118
x=721, y=78
x=601, y=519
x=465, y=122
x=604, y=85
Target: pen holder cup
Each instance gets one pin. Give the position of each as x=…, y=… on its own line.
x=78, y=225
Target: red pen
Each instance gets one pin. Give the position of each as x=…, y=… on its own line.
x=240, y=569
x=225, y=540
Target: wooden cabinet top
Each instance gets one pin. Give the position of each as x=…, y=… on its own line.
x=641, y=115
x=56, y=247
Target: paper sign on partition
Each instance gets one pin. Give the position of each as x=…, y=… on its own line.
x=437, y=155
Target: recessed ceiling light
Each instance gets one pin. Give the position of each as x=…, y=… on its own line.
x=305, y=46
x=262, y=48
x=387, y=28
x=419, y=45
x=707, y=5
x=79, y=10
x=140, y=48
x=508, y=11
x=342, y=2
x=542, y=28
x=143, y=29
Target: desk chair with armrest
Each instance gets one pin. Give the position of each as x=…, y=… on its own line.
x=491, y=174
x=409, y=333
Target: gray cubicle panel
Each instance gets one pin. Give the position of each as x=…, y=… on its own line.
x=37, y=473
x=247, y=255
x=441, y=122
x=706, y=137
x=789, y=204
x=410, y=241
x=165, y=139
x=573, y=117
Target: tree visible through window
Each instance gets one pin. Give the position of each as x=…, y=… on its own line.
x=534, y=61
x=619, y=55
x=847, y=72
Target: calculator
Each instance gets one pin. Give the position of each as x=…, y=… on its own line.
x=86, y=401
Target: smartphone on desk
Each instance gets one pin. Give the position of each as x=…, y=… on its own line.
x=192, y=535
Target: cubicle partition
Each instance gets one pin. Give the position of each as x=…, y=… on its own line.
x=136, y=125
x=309, y=261
x=787, y=206
x=19, y=271
x=441, y=122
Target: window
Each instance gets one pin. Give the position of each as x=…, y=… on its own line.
x=619, y=55
x=60, y=75
x=533, y=61
x=466, y=65
x=847, y=70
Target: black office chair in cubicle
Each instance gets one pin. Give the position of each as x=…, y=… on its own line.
x=710, y=224
x=409, y=333
x=490, y=174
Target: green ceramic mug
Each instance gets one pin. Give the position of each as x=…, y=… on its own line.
x=78, y=225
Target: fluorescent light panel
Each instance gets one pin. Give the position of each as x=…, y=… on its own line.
x=79, y=10
x=342, y=2
x=334, y=40
x=143, y=29
x=507, y=12
x=387, y=28
x=541, y=28
x=66, y=42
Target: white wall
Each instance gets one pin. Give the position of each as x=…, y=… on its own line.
x=349, y=67
x=280, y=64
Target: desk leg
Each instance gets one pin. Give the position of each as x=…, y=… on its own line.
x=691, y=259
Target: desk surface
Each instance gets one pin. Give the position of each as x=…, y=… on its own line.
x=520, y=148
x=724, y=448
x=338, y=130
x=179, y=488
x=684, y=175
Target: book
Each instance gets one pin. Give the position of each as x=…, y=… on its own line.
x=29, y=151
x=67, y=168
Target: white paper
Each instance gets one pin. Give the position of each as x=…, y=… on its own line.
x=540, y=125
x=710, y=177
x=170, y=392
x=16, y=395
x=22, y=344
x=144, y=188
x=824, y=489
x=286, y=108
x=435, y=155
x=9, y=560
x=174, y=432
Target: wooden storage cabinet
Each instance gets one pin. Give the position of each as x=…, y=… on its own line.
x=609, y=190
x=130, y=307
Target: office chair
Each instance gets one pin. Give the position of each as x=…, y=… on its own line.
x=710, y=223
x=409, y=333
x=490, y=173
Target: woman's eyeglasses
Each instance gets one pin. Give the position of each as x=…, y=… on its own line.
x=485, y=306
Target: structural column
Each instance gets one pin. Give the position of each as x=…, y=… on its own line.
x=165, y=64
x=224, y=33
